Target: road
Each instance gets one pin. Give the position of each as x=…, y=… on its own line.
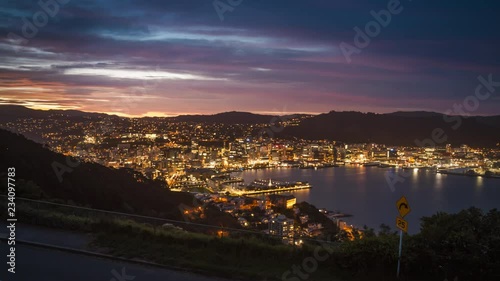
x=41, y=264
x=49, y=236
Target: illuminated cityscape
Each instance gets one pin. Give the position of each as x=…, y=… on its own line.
x=166, y=150
x=206, y=158
x=229, y=140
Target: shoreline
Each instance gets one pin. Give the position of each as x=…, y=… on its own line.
x=468, y=175
x=358, y=165
x=276, y=190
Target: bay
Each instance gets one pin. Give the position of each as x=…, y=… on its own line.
x=365, y=192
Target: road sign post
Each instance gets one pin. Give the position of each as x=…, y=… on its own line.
x=403, y=209
x=400, y=252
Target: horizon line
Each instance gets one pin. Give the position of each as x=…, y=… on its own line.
x=273, y=113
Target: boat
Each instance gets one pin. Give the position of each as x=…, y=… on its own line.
x=260, y=186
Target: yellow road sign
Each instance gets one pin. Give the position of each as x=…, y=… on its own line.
x=402, y=224
x=403, y=207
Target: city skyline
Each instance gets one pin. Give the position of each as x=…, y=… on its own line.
x=206, y=57
x=211, y=140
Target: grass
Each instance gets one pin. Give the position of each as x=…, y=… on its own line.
x=247, y=258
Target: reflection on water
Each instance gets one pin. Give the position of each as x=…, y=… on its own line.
x=356, y=173
x=304, y=194
x=479, y=181
x=438, y=183
x=414, y=176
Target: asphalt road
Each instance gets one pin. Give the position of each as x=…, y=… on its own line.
x=41, y=264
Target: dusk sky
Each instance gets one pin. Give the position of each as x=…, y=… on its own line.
x=170, y=57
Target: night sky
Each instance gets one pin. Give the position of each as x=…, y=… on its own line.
x=170, y=57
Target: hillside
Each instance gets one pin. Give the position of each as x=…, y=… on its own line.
x=226, y=118
x=400, y=128
x=10, y=113
x=87, y=184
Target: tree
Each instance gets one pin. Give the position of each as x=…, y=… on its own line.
x=368, y=232
x=385, y=230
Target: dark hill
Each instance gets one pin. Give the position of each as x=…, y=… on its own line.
x=226, y=118
x=397, y=128
x=88, y=184
x=12, y=112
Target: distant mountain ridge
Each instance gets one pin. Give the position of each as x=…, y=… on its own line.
x=397, y=128
x=233, y=117
x=12, y=112
x=415, y=114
